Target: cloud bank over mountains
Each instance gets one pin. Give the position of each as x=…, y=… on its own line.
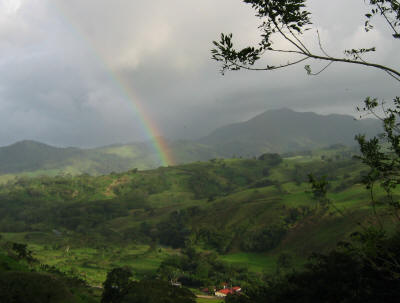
x=62, y=63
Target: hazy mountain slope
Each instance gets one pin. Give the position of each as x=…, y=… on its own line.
x=31, y=156
x=273, y=131
x=285, y=130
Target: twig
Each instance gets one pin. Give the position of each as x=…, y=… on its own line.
x=298, y=40
x=267, y=68
x=315, y=74
x=320, y=45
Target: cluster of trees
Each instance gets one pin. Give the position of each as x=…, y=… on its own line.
x=186, y=227
x=218, y=179
x=120, y=288
x=203, y=269
x=223, y=241
x=363, y=271
x=24, y=279
x=83, y=203
x=31, y=287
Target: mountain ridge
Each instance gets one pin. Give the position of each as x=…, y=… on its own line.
x=276, y=131
x=285, y=130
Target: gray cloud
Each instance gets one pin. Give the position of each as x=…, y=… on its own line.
x=63, y=61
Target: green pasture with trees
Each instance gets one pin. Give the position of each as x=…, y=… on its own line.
x=246, y=221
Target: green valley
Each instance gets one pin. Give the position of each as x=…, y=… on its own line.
x=233, y=218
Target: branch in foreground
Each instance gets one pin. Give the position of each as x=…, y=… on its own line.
x=246, y=58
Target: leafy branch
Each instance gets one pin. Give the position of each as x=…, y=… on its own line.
x=289, y=20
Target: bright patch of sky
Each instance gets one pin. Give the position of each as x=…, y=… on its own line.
x=10, y=7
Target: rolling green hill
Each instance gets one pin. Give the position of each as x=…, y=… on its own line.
x=248, y=211
x=35, y=158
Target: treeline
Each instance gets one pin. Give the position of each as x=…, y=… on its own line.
x=186, y=227
x=203, y=269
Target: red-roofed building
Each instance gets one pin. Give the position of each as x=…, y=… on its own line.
x=226, y=291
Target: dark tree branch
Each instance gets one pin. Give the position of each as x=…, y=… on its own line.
x=387, y=19
x=298, y=40
x=378, y=66
x=290, y=40
x=289, y=19
x=285, y=51
x=269, y=67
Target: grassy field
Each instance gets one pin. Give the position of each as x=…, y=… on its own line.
x=93, y=264
x=215, y=300
x=89, y=263
x=253, y=261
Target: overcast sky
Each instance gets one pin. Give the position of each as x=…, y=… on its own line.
x=62, y=63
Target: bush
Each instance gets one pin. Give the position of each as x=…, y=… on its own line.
x=30, y=287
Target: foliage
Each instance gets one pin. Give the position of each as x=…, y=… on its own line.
x=174, y=231
x=265, y=239
x=23, y=252
x=319, y=189
x=272, y=159
x=118, y=288
x=284, y=262
x=390, y=10
x=30, y=287
x=382, y=154
x=289, y=20
x=195, y=269
x=116, y=285
x=347, y=274
x=156, y=291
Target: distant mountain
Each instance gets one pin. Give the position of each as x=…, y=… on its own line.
x=31, y=155
x=285, y=130
x=278, y=131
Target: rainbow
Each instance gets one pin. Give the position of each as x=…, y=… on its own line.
x=148, y=124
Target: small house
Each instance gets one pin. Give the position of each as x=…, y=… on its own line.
x=228, y=290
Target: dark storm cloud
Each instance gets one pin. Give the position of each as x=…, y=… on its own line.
x=61, y=60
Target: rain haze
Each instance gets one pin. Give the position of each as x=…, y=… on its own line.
x=91, y=73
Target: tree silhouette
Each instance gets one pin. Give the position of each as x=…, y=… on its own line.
x=116, y=285
x=289, y=20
